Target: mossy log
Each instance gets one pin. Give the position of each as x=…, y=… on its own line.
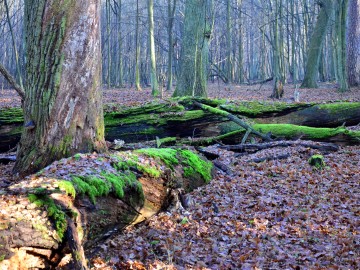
x=180, y=118
x=75, y=203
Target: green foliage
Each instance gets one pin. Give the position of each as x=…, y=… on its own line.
x=53, y=210
x=68, y=187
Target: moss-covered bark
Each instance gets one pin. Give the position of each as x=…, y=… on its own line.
x=62, y=107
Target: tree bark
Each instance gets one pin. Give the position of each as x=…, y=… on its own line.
x=153, y=75
x=63, y=104
x=353, y=38
x=194, y=50
x=316, y=45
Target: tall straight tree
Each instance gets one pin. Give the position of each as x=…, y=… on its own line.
x=340, y=19
x=63, y=102
x=137, y=49
x=194, y=49
x=171, y=15
x=316, y=44
x=153, y=76
x=353, y=41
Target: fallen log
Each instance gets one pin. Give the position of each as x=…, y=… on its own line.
x=75, y=203
x=234, y=119
x=179, y=118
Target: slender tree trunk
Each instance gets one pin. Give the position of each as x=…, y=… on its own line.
x=353, y=40
x=316, y=45
x=63, y=102
x=171, y=14
x=14, y=44
x=120, y=40
x=228, y=42
x=341, y=17
x=137, y=50
x=153, y=76
x=108, y=43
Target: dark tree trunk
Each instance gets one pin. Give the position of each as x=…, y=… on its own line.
x=63, y=104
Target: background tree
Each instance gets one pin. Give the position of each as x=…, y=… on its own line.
x=353, y=38
x=316, y=44
x=63, y=104
x=153, y=75
x=194, y=48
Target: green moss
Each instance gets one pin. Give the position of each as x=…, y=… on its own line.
x=53, y=211
x=82, y=187
x=116, y=119
x=166, y=155
x=317, y=161
x=11, y=116
x=290, y=131
x=2, y=257
x=68, y=187
x=77, y=156
x=123, y=180
x=256, y=108
x=339, y=106
x=196, y=165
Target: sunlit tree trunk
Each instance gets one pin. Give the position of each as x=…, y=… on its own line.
x=171, y=14
x=137, y=49
x=63, y=102
x=153, y=76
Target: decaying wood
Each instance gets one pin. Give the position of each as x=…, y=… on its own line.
x=27, y=231
x=234, y=119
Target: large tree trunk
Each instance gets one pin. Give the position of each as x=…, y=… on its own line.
x=194, y=50
x=316, y=44
x=63, y=104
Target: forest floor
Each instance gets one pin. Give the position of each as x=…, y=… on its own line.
x=277, y=214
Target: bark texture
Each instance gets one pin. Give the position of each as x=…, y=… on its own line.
x=194, y=49
x=316, y=44
x=63, y=103
x=353, y=39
